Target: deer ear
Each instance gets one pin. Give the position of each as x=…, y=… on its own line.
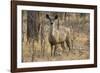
x=56, y=17
x=47, y=16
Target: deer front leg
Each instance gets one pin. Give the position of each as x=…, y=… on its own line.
x=51, y=50
x=55, y=50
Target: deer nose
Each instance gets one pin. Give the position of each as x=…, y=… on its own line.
x=51, y=23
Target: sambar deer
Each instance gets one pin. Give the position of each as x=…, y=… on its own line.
x=58, y=34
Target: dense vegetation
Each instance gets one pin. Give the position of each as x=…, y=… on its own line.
x=35, y=33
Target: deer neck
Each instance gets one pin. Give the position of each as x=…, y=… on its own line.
x=53, y=30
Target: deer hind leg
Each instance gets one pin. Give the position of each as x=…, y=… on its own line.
x=63, y=46
x=68, y=42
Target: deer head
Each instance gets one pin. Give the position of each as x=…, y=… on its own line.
x=52, y=20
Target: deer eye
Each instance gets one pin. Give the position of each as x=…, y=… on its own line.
x=51, y=23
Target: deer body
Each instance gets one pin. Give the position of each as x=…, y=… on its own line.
x=58, y=35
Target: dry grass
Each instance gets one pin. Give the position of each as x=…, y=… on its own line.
x=80, y=51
